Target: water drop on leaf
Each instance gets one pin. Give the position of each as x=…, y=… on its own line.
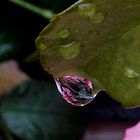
x=63, y=33
x=138, y=85
x=87, y=9
x=76, y=90
x=99, y=17
x=130, y=73
x=42, y=47
x=70, y=50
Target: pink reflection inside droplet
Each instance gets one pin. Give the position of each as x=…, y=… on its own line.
x=75, y=90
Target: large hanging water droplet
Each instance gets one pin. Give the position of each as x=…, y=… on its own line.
x=75, y=90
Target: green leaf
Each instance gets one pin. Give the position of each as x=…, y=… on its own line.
x=35, y=111
x=103, y=45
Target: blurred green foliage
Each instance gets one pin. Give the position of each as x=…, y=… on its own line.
x=35, y=111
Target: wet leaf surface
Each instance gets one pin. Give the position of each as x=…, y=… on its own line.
x=35, y=111
x=107, y=33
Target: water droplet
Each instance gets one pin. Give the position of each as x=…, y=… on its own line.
x=87, y=9
x=99, y=17
x=42, y=47
x=63, y=33
x=70, y=50
x=76, y=90
x=130, y=73
x=40, y=43
x=138, y=86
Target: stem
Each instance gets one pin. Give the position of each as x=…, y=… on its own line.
x=31, y=58
x=48, y=14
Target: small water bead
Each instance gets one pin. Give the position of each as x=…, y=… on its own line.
x=138, y=86
x=70, y=50
x=130, y=73
x=42, y=47
x=40, y=42
x=99, y=17
x=75, y=90
x=87, y=9
x=63, y=33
